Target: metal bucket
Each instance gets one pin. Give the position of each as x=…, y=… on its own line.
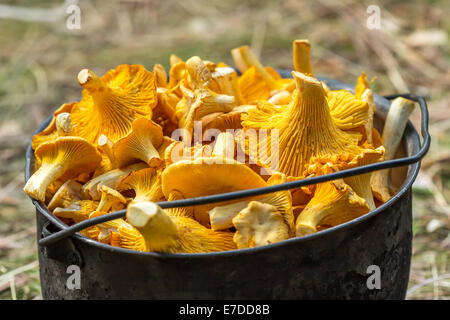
x=330, y=264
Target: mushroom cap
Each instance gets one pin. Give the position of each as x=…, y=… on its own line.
x=75, y=154
x=194, y=178
x=112, y=102
x=252, y=86
x=347, y=111
x=228, y=120
x=202, y=177
x=259, y=224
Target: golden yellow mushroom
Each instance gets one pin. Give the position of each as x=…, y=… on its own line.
x=111, y=179
x=160, y=75
x=301, y=53
x=394, y=126
x=333, y=203
x=223, y=121
x=146, y=184
x=224, y=80
x=77, y=211
x=51, y=132
x=111, y=200
x=221, y=216
x=141, y=143
x=305, y=130
x=200, y=101
x=259, y=224
x=164, y=233
x=68, y=156
x=187, y=212
x=252, y=86
x=347, y=111
x=111, y=103
x=203, y=176
x=68, y=193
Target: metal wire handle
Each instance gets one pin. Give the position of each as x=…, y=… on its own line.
x=69, y=231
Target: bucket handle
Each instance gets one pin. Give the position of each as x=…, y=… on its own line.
x=69, y=231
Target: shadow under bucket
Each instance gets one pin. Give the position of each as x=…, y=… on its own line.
x=330, y=264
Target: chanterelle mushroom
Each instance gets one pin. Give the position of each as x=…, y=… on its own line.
x=225, y=81
x=394, y=127
x=68, y=193
x=111, y=103
x=127, y=236
x=206, y=176
x=146, y=184
x=305, y=130
x=333, y=203
x=202, y=101
x=245, y=60
x=77, y=211
x=111, y=179
x=259, y=224
x=110, y=200
x=164, y=233
x=51, y=132
x=66, y=155
x=141, y=143
x=221, y=216
x=301, y=53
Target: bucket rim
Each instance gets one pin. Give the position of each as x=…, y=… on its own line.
x=410, y=134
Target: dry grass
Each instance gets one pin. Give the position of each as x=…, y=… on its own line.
x=39, y=63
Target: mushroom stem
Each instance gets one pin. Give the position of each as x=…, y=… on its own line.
x=227, y=81
x=302, y=60
x=394, y=127
x=90, y=81
x=221, y=217
x=151, y=156
x=63, y=124
x=174, y=59
x=41, y=179
x=160, y=75
x=244, y=58
x=158, y=229
x=282, y=97
x=367, y=96
x=105, y=145
x=224, y=146
x=361, y=185
x=198, y=71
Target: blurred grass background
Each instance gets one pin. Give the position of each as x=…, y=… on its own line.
x=39, y=61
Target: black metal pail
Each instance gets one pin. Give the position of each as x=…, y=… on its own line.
x=335, y=263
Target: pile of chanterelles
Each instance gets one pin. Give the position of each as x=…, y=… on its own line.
x=138, y=137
